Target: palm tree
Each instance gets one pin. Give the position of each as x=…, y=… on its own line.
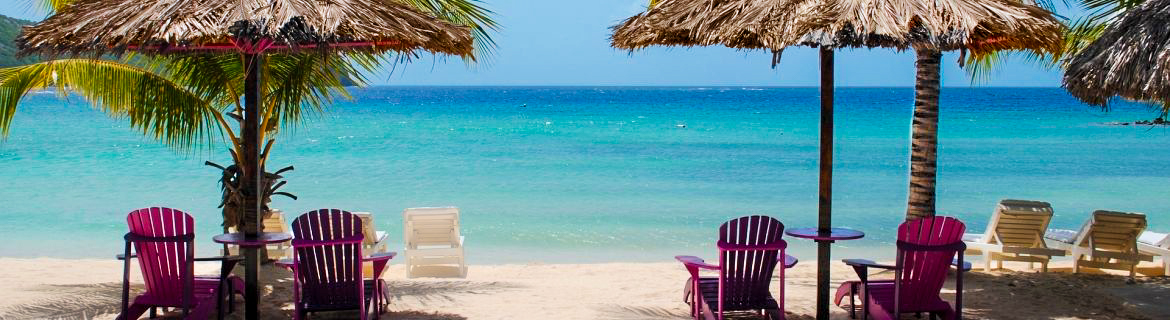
x=924, y=135
x=187, y=101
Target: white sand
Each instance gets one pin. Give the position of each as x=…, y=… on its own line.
x=54, y=288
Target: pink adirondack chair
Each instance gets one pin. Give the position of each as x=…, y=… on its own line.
x=163, y=241
x=750, y=248
x=327, y=265
x=927, y=248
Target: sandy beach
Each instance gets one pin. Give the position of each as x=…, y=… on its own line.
x=62, y=288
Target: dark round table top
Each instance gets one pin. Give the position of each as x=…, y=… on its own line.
x=834, y=234
x=263, y=238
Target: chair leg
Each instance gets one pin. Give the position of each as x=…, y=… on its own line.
x=1165, y=267
x=986, y=261
x=707, y=313
x=852, y=304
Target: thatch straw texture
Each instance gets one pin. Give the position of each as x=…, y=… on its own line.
x=115, y=26
x=975, y=25
x=1131, y=59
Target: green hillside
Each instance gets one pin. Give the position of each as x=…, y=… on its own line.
x=9, y=29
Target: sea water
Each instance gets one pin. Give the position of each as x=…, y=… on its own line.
x=594, y=174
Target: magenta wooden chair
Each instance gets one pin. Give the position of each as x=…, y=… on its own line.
x=750, y=248
x=927, y=248
x=327, y=265
x=163, y=241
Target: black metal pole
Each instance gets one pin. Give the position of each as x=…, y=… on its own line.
x=825, y=204
x=252, y=173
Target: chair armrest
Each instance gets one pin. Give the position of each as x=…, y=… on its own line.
x=383, y=256
x=866, y=263
x=789, y=261
x=696, y=262
x=966, y=265
x=235, y=258
x=1035, y=251
x=380, y=260
x=122, y=256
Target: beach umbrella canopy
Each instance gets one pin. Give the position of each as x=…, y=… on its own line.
x=1130, y=59
x=977, y=27
x=167, y=26
x=251, y=28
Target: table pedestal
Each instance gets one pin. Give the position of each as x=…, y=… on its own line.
x=250, y=247
x=824, y=239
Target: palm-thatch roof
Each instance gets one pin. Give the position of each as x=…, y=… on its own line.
x=1131, y=59
x=975, y=25
x=115, y=26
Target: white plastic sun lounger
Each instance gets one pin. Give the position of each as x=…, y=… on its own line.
x=1157, y=244
x=1015, y=233
x=432, y=238
x=374, y=241
x=273, y=223
x=1107, y=241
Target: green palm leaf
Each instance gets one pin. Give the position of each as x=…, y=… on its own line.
x=464, y=12
x=153, y=104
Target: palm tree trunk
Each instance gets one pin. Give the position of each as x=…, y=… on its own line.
x=924, y=136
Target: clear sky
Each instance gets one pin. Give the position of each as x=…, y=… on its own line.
x=565, y=42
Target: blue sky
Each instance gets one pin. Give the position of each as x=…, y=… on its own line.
x=566, y=43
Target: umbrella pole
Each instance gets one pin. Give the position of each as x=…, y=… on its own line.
x=825, y=203
x=251, y=154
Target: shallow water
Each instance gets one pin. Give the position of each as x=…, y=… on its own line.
x=595, y=174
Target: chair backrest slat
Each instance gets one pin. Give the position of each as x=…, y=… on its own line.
x=923, y=272
x=747, y=273
x=430, y=226
x=1113, y=231
x=1022, y=223
x=165, y=265
x=327, y=247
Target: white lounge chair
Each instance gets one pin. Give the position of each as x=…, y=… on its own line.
x=1157, y=244
x=1107, y=241
x=374, y=241
x=432, y=238
x=273, y=223
x=1015, y=233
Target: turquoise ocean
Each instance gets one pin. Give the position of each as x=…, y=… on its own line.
x=595, y=174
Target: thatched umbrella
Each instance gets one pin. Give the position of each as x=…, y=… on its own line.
x=930, y=27
x=1130, y=59
x=251, y=28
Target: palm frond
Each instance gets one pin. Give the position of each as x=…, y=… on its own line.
x=52, y=6
x=981, y=68
x=466, y=13
x=15, y=82
x=153, y=104
x=296, y=83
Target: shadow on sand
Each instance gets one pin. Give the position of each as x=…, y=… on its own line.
x=626, y=312
x=1063, y=295
x=70, y=302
